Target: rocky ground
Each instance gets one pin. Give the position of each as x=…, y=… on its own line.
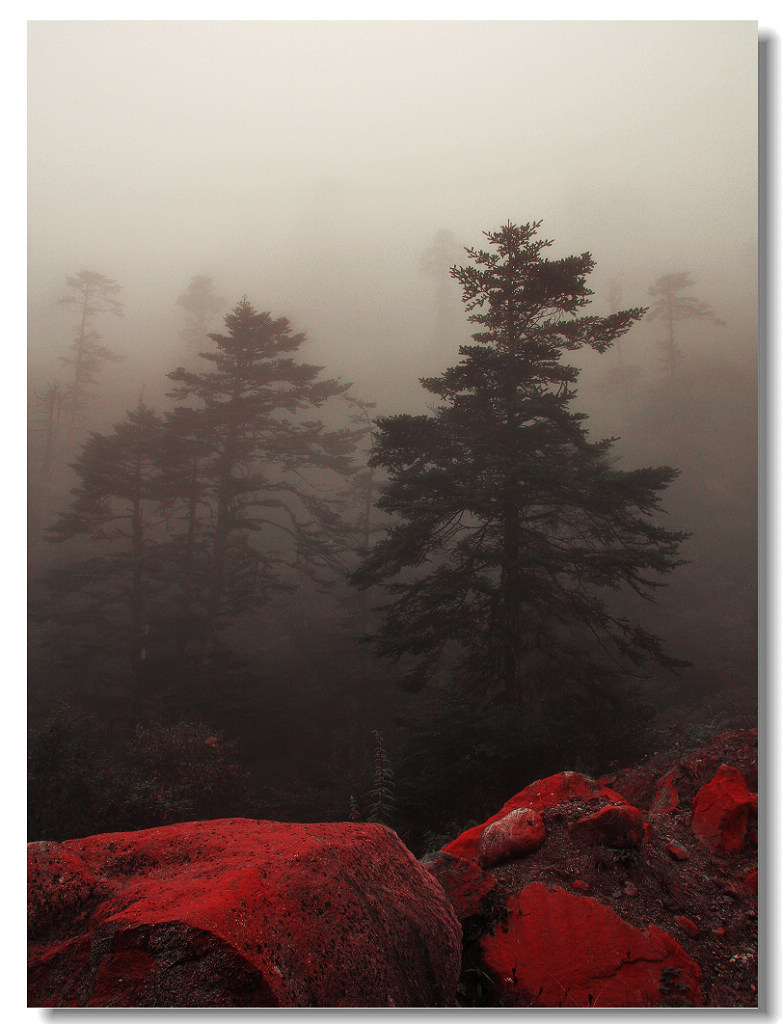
x=701, y=893
x=635, y=890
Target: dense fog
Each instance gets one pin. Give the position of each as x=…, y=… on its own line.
x=331, y=173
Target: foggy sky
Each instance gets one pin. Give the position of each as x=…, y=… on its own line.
x=308, y=165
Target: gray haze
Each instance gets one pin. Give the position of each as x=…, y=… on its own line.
x=310, y=164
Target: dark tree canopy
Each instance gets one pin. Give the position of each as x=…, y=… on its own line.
x=247, y=442
x=188, y=522
x=108, y=600
x=511, y=526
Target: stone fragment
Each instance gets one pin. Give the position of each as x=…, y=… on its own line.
x=720, y=811
x=677, y=852
x=687, y=925
x=666, y=797
x=519, y=832
x=618, y=826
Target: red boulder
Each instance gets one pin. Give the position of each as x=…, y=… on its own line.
x=560, y=789
x=538, y=796
x=557, y=949
x=720, y=811
x=239, y=913
x=517, y=833
x=466, y=886
x=60, y=887
x=614, y=825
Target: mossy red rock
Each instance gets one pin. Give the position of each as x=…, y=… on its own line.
x=519, y=832
x=720, y=811
x=563, y=787
x=237, y=912
x=535, y=961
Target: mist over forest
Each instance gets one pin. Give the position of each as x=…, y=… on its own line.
x=204, y=591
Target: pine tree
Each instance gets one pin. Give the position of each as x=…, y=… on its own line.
x=201, y=304
x=181, y=459
x=513, y=527
x=106, y=600
x=672, y=308
x=44, y=428
x=253, y=456
x=382, y=803
x=49, y=401
x=90, y=294
x=435, y=263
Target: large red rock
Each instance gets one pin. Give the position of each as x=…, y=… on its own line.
x=615, y=825
x=464, y=883
x=557, y=949
x=560, y=789
x=538, y=796
x=239, y=913
x=721, y=809
x=519, y=832
x=60, y=887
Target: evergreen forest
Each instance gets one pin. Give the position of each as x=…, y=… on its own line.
x=254, y=591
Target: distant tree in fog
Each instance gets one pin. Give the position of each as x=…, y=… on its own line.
x=89, y=294
x=672, y=308
x=363, y=482
x=248, y=444
x=106, y=599
x=183, y=524
x=623, y=374
x=44, y=428
x=201, y=305
x=47, y=404
x=511, y=525
x=436, y=262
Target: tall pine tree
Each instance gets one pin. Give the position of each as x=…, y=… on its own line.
x=107, y=601
x=513, y=528
x=255, y=462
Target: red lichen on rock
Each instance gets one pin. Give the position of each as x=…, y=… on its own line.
x=615, y=825
x=515, y=834
x=464, y=883
x=535, y=961
x=59, y=886
x=241, y=913
x=539, y=796
x=666, y=797
x=720, y=811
